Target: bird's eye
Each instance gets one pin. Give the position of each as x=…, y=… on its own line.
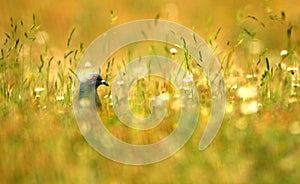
x=94, y=78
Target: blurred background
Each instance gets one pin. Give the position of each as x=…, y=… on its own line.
x=92, y=18
x=256, y=41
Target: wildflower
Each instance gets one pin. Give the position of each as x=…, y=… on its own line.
x=120, y=82
x=87, y=64
x=108, y=96
x=294, y=84
x=234, y=87
x=188, y=78
x=39, y=89
x=292, y=99
x=249, y=107
x=164, y=96
x=283, y=53
x=247, y=92
x=231, y=83
x=60, y=98
x=250, y=76
x=159, y=100
x=173, y=51
x=292, y=69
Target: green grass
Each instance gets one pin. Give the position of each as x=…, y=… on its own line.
x=41, y=143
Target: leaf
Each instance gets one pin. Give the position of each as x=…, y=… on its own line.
x=68, y=54
x=283, y=15
x=70, y=37
x=7, y=35
x=17, y=43
x=239, y=43
x=49, y=62
x=42, y=63
x=267, y=64
x=249, y=33
x=81, y=47
x=70, y=69
x=2, y=53
x=34, y=19
x=200, y=56
x=217, y=34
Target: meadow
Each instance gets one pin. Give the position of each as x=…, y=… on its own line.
x=256, y=42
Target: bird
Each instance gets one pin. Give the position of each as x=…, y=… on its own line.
x=88, y=90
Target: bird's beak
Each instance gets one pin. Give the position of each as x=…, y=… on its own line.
x=104, y=83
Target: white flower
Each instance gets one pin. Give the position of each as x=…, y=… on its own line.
x=249, y=107
x=120, y=82
x=60, y=98
x=293, y=69
x=283, y=52
x=164, y=96
x=173, y=51
x=87, y=64
x=250, y=76
x=294, y=84
x=188, y=77
x=39, y=89
x=292, y=99
x=247, y=92
x=234, y=87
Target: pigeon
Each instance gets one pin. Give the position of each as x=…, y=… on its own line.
x=88, y=90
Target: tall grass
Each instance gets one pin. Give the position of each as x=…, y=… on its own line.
x=27, y=63
x=40, y=141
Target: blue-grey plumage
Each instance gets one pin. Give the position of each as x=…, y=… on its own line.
x=88, y=89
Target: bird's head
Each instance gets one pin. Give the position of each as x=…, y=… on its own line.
x=88, y=88
x=90, y=84
x=97, y=79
